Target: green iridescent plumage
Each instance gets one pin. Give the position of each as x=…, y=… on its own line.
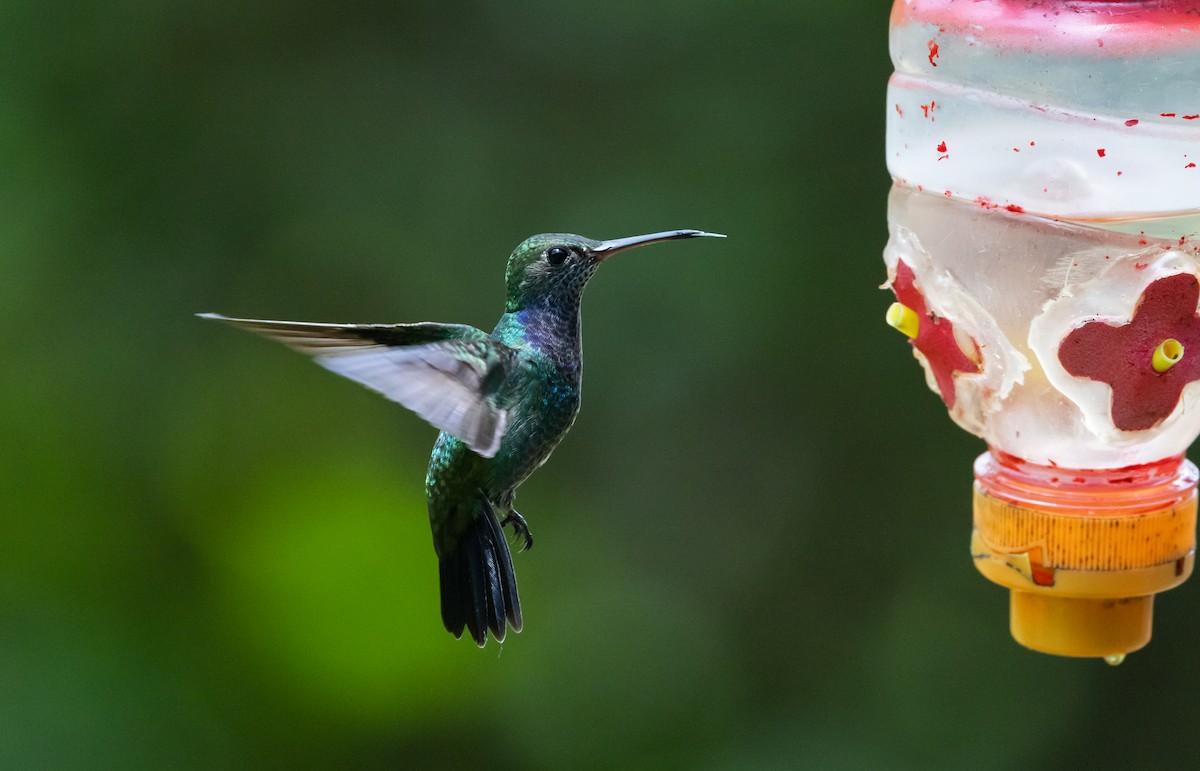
x=503, y=401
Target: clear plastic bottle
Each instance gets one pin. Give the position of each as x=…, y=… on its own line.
x=1046, y=158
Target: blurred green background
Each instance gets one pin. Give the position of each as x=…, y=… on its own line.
x=751, y=550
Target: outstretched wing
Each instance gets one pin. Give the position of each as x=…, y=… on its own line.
x=449, y=374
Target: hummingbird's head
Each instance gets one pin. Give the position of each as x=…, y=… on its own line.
x=556, y=266
x=548, y=267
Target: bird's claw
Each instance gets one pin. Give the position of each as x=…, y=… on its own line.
x=520, y=528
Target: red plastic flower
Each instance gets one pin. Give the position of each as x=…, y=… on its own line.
x=935, y=336
x=1122, y=355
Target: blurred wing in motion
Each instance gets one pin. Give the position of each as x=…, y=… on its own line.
x=449, y=374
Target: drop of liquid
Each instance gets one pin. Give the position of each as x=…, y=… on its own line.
x=1114, y=659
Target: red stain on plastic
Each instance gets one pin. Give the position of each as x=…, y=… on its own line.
x=941, y=148
x=933, y=52
x=1191, y=117
x=1166, y=114
x=1190, y=166
x=899, y=111
x=1131, y=122
x=1101, y=151
x=1012, y=207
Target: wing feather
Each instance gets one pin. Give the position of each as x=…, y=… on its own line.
x=445, y=373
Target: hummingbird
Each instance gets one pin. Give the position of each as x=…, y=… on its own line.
x=501, y=401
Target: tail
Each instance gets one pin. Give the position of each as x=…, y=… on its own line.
x=479, y=587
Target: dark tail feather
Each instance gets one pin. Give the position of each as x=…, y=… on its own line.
x=479, y=587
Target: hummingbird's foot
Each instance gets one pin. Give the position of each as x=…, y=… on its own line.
x=520, y=527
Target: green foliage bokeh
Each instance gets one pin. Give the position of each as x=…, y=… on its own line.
x=751, y=550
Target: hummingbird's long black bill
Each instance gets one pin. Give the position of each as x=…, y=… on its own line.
x=607, y=249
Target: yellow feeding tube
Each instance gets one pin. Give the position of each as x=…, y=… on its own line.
x=904, y=318
x=1166, y=355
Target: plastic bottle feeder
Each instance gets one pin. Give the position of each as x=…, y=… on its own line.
x=1044, y=260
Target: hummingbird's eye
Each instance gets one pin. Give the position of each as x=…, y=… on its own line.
x=557, y=255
